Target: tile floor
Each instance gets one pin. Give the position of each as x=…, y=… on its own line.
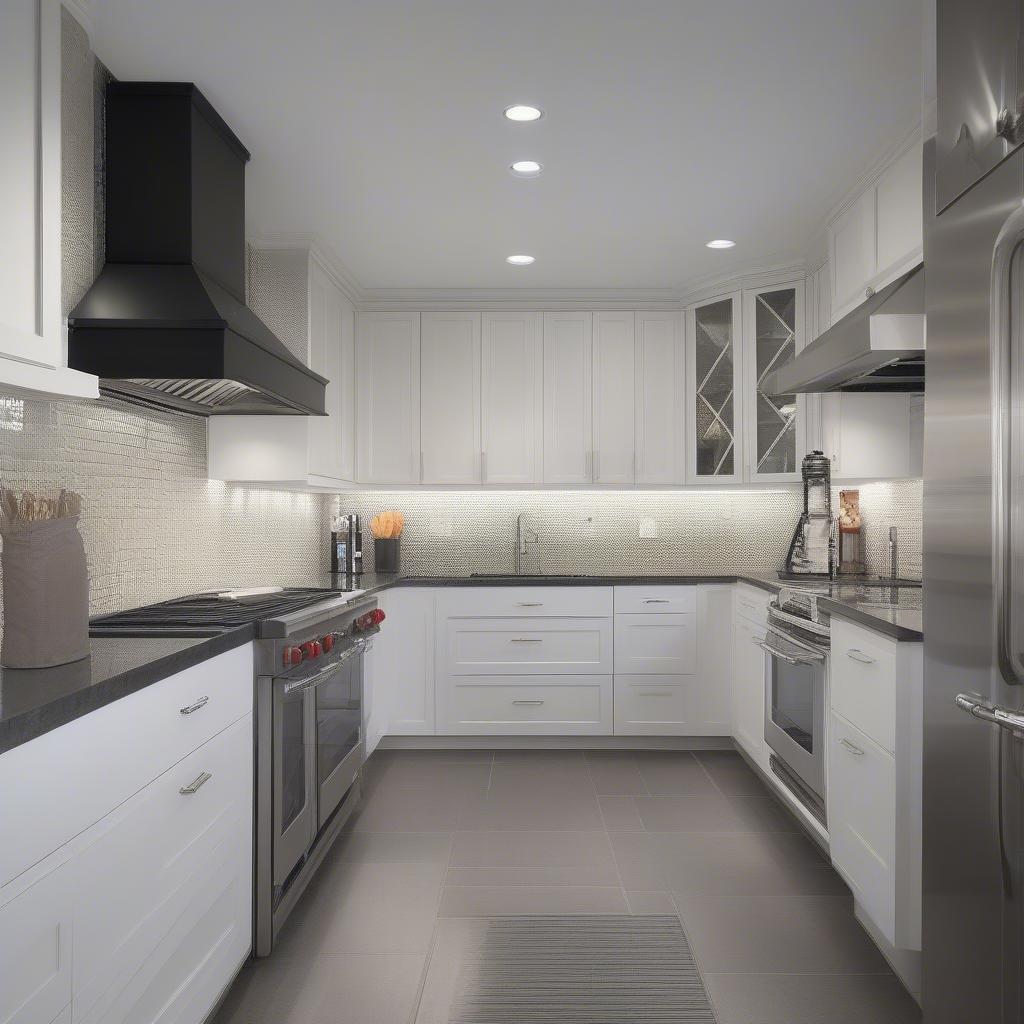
x=471, y=834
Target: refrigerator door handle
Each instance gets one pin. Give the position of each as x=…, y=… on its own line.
x=1003, y=717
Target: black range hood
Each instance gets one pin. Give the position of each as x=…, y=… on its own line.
x=165, y=323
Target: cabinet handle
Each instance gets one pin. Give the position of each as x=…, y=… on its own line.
x=531, y=702
x=199, y=781
x=483, y=467
x=657, y=600
x=525, y=640
x=855, y=655
x=530, y=604
x=851, y=747
x=655, y=693
x=189, y=708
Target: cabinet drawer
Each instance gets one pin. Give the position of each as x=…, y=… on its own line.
x=863, y=681
x=35, y=947
x=751, y=604
x=145, y=864
x=549, y=705
x=656, y=644
x=118, y=750
x=655, y=599
x=665, y=705
x=477, y=602
x=862, y=820
x=527, y=645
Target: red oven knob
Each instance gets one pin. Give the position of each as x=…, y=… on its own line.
x=292, y=656
x=310, y=649
x=327, y=643
x=377, y=616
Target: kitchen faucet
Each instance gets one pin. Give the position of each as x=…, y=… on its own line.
x=893, y=553
x=521, y=540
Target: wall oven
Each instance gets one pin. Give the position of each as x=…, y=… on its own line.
x=796, y=667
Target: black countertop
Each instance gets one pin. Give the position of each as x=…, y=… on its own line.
x=34, y=701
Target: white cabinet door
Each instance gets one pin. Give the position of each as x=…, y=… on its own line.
x=871, y=436
x=655, y=644
x=388, y=397
x=614, y=397
x=450, y=398
x=568, y=388
x=403, y=671
x=748, y=690
x=852, y=253
x=714, y=389
x=660, y=398
x=898, y=206
x=773, y=323
x=511, y=390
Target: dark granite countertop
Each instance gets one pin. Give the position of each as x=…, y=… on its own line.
x=34, y=701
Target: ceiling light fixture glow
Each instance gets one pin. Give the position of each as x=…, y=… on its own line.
x=720, y=243
x=519, y=260
x=525, y=168
x=523, y=112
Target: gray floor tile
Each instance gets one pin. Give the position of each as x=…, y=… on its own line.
x=638, y=864
x=616, y=774
x=393, y=847
x=673, y=774
x=532, y=858
x=566, y=758
x=811, y=999
x=778, y=935
x=429, y=775
x=502, y=900
x=532, y=810
x=620, y=814
x=555, y=779
x=364, y=908
x=730, y=773
x=426, y=756
x=714, y=813
x=755, y=864
x=408, y=810
x=356, y=989
x=647, y=903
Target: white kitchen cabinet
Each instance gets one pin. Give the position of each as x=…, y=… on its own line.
x=294, y=292
x=748, y=674
x=614, y=400
x=878, y=236
x=715, y=442
x=511, y=398
x=33, y=356
x=660, y=403
x=872, y=435
x=388, y=398
x=654, y=643
x=776, y=425
x=450, y=398
x=568, y=404
x=403, y=662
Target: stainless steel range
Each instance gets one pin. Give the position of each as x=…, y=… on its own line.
x=309, y=647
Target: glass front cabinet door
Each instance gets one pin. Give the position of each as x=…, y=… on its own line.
x=715, y=384
x=775, y=425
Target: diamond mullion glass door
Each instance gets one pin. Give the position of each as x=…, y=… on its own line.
x=776, y=428
x=716, y=449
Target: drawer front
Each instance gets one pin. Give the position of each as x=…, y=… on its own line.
x=751, y=604
x=649, y=705
x=137, y=877
x=656, y=644
x=540, y=705
x=526, y=645
x=524, y=601
x=35, y=948
x=862, y=820
x=655, y=599
x=119, y=749
x=863, y=682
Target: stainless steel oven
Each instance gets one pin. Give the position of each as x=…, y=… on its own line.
x=796, y=669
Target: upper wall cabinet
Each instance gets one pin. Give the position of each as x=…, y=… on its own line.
x=388, y=398
x=450, y=398
x=32, y=335
x=614, y=403
x=511, y=395
x=568, y=383
x=879, y=236
x=715, y=381
x=660, y=384
x=775, y=425
x=295, y=294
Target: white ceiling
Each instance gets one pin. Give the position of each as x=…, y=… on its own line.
x=376, y=125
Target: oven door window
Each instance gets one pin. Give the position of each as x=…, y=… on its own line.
x=293, y=760
x=338, y=717
x=792, y=703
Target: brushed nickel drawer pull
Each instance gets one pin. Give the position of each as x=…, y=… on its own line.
x=657, y=600
x=856, y=655
x=655, y=693
x=532, y=702
x=526, y=640
x=189, y=708
x=200, y=780
x=853, y=749
x=530, y=604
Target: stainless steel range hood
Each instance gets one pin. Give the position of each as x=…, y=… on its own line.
x=165, y=323
x=879, y=346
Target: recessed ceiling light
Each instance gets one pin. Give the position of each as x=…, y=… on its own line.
x=519, y=260
x=523, y=112
x=720, y=243
x=525, y=168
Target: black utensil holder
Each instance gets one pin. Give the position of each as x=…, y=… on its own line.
x=386, y=554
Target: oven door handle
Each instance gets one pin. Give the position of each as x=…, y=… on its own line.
x=788, y=658
x=358, y=647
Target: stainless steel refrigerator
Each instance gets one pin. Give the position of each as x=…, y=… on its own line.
x=974, y=520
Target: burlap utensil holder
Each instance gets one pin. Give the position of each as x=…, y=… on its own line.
x=45, y=594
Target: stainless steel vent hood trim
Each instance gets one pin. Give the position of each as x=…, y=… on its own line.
x=879, y=346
